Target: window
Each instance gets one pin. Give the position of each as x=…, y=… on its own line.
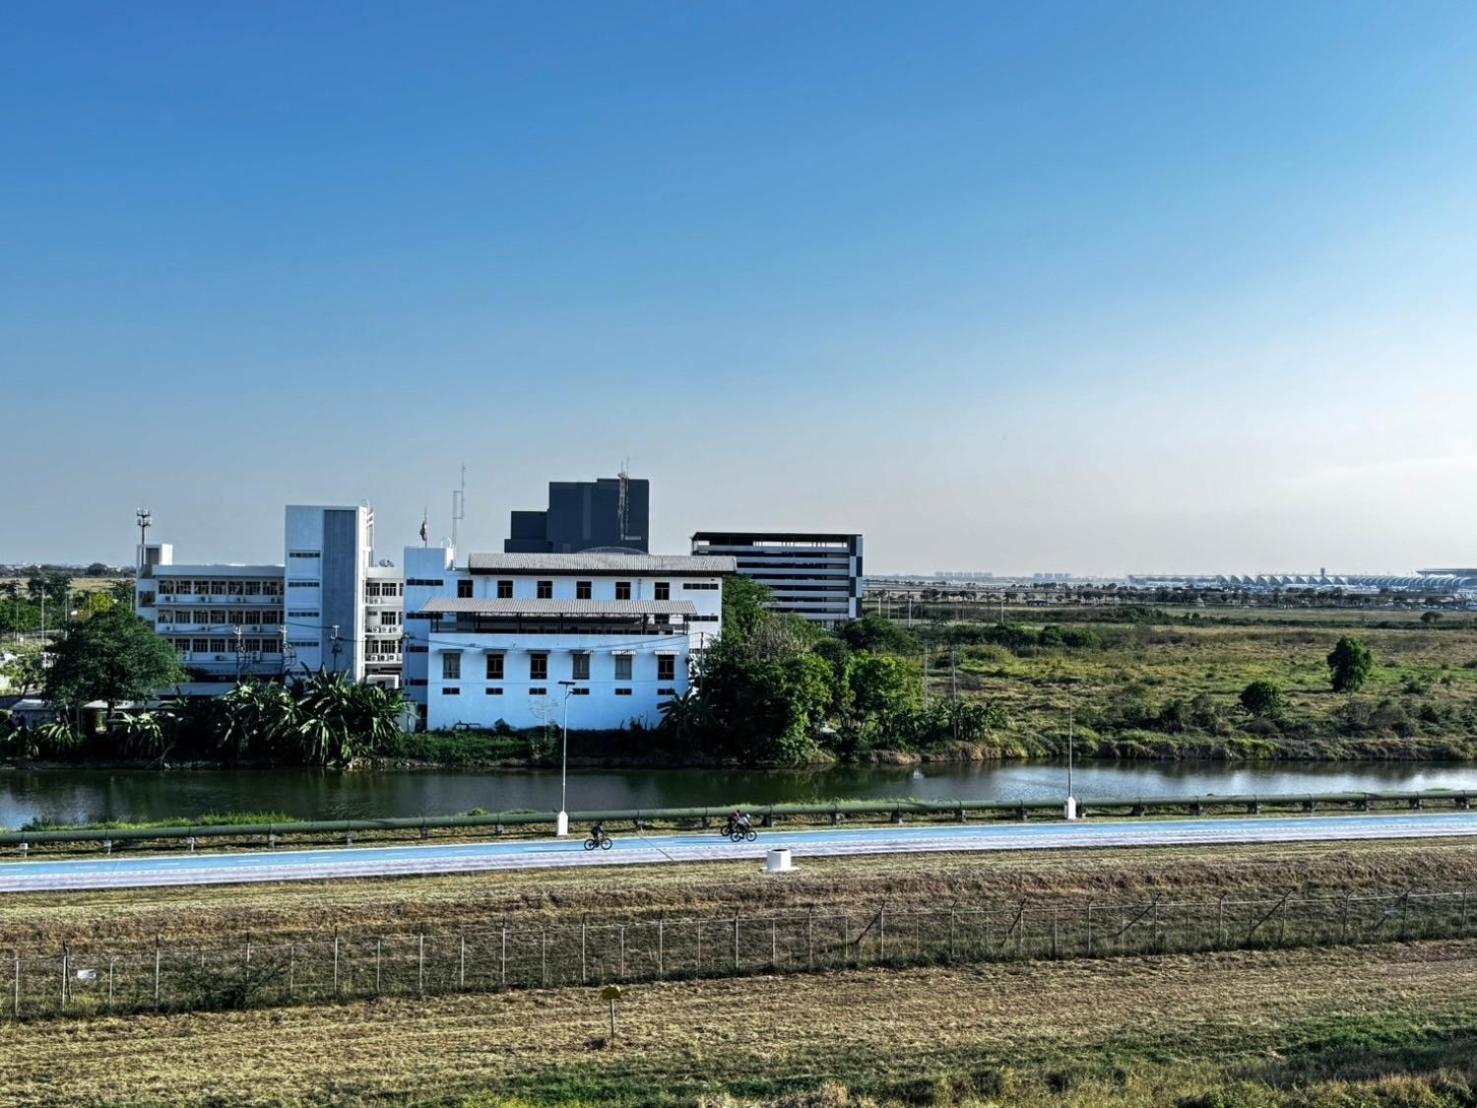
x=538, y=667
x=505, y=590
x=298, y=613
x=538, y=692
x=451, y=690
x=709, y=586
x=416, y=682
x=424, y=582
x=623, y=668
x=200, y=646
x=217, y=646
x=217, y=588
x=580, y=670
x=583, y=590
x=546, y=590
x=622, y=692
x=666, y=692
x=389, y=619
x=451, y=667
x=666, y=667
x=494, y=667
x=493, y=690
x=702, y=619
x=623, y=590
x=305, y=554
x=234, y=588
x=464, y=590
x=663, y=590
x=579, y=692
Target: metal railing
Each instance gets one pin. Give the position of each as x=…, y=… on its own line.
x=834, y=812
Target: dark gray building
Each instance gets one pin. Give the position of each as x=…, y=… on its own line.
x=814, y=575
x=609, y=511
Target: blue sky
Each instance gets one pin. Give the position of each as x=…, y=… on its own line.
x=1096, y=287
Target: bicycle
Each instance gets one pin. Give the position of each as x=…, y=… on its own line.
x=743, y=834
x=605, y=842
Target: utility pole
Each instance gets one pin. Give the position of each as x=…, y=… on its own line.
x=236, y=631
x=924, y=657
x=562, y=826
x=336, y=648
x=458, y=507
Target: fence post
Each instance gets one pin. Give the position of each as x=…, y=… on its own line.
x=1344, y=920
x=1054, y=936
x=622, y=930
x=503, y=974
x=1462, y=923
x=774, y=943
x=1220, y=921
x=291, y=969
x=584, y=964
x=953, y=930
x=845, y=940
x=156, y=973
x=420, y=964
x=379, y=945
x=1404, y=912
x=543, y=956
x=810, y=938
x=882, y=933
x=700, y=946
x=1089, y=928
x=461, y=967
x=1020, y=932
x=246, y=976
x=335, y=962
x=735, y=943
x=66, y=959
x=1282, y=925
x=111, y=961
x=16, y=1006
x=661, y=947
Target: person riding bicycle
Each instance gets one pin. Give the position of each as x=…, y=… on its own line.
x=741, y=822
x=735, y=820
x=597, y=832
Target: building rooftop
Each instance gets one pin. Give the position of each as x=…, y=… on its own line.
x=604, y=565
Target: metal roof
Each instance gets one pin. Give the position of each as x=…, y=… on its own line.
x=468, y=605
x=604, y=565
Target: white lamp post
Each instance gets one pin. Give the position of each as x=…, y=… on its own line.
x=1070, y=810
x=561, y=827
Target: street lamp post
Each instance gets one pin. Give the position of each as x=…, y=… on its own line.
x=561, y=827
x=1071, y=807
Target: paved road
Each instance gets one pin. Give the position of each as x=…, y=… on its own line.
x=314, y=865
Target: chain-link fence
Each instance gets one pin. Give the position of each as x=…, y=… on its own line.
x=279, y=970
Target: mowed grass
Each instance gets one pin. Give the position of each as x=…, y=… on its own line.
x=1142, y=1031
x=42, y=922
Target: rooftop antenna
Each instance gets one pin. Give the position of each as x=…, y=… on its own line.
x=458, y=505
x=425, y=527
x=622, y=503
x=145, y=520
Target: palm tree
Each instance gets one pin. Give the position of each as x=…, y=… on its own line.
x=257, y=718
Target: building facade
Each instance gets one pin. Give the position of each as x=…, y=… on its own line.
x=327, y=606
x=518, y=638
x=817, y=576
x=582, y=515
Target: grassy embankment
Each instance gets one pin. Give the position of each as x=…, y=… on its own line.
x=1377, y=1025
x=1169, y=690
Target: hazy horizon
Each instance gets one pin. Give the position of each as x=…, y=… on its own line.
x=1140, y=288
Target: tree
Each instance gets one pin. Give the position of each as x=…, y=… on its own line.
x=1264, y=699
x=881, y=685
x=744, y=607
x=112, y=657
x=1349, y=665
x=877, y=636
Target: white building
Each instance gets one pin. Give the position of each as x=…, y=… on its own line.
x=316, y=610
x=509, y=637
x=813, y=575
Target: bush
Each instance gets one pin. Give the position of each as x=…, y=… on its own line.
x=1264, y=700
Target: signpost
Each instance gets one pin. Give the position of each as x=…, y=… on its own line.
x=611, y=993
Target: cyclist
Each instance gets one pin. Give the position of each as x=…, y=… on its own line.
x=597, y=832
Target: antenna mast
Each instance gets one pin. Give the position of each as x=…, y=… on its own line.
x=622, y=503
x=458, y=506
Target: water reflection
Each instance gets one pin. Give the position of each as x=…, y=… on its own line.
x=84, y=795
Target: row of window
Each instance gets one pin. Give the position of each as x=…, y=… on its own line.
x=228, y=646
x=384, y=588
x=583, y=590
x=179, y=586
x=536, y=690
x=538, y=667
x=250, y=617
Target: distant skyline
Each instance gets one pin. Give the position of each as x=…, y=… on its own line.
x=1141, y=287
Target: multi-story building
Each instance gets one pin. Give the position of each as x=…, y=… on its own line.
x=816, y=576
x=328, y=606
x=226, y=621
x=584, y=515
x=513, y=637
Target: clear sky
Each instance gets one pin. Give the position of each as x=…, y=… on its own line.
x=1100, y=287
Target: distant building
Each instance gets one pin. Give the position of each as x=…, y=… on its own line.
x=326, y=606
x=816, y=576
x=611, y=512
x=510, y=637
